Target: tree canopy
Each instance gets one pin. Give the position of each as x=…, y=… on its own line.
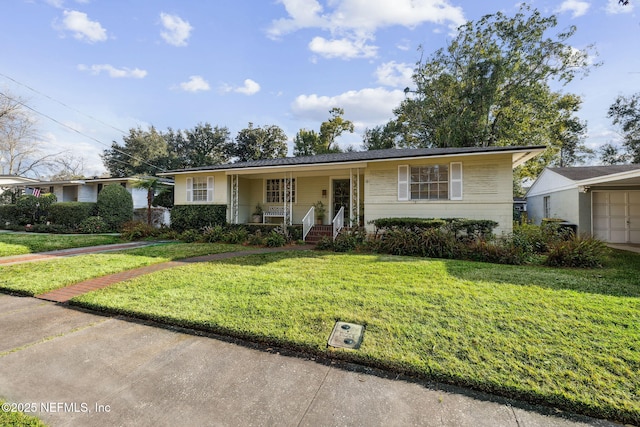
x=625, y=113
x=147, y=152
x=257, y=143
x=491, y=86
x=309, y=143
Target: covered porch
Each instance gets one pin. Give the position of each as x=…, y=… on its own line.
x=293, y=196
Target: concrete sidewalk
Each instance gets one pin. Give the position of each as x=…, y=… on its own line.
x=78, y=369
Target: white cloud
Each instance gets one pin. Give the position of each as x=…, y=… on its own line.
x=195, y=84
x=352, y=23
x=82, y=27
x=342, y=48
x=114, y=72
x=394, y=74
x=614, y=7
x=577, y=7
x=366, y=107
x=177, y=30
x=250, y=87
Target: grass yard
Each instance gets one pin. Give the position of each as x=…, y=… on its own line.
x=26, y=243
x=562, y=337
x=44, y=276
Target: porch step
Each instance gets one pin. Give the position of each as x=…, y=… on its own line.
x=318, y=232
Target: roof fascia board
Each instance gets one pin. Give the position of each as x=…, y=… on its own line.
x=612, y=177
x=528, y=154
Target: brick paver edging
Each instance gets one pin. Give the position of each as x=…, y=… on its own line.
x=63, y=295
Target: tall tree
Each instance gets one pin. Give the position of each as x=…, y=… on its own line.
x=306, y=143
x=145, y=152
x=382, y=137
x=309, y=143
x=625, y=112
x=491, y=86
x=203, y=145
x=332, y=129
x=257, y=143
x=20, y=149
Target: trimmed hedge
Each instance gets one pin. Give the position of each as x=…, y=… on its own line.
x=71, y=214
x=195, y=217
x=8, y=214
x=115, y=206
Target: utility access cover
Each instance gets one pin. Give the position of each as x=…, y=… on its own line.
x=346, y=335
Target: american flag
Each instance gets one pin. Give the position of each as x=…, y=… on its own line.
x=34, y=191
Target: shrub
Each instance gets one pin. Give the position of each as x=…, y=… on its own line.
x=350, y=240
x=237, y=236
x=164, y=198
x=115, y=206
x=474, y=229
x=8, y=214
x=256, y=239
x=190, y=236
x=71, y=214
x=584, y=252
x=53, y=228
x=33, y=210
x=213, y=234
x=195, y=217
x=275, y=240
x=92, y=224
x=503, y=251
x=408, y=223
x=136, y=230
x=325, y=244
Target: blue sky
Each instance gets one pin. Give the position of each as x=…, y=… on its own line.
x=101, y=67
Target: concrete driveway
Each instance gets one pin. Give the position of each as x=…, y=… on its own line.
x=80, y=369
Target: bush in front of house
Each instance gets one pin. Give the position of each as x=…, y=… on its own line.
x=8, y=215
x=33, y=210
x=136, y=230
x=71, y=214
x=115, y=206
x=196, y=217
x=577, y=251
x=92, y=225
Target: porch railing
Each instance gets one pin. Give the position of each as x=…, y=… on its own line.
x=307, y=222
x=338, y=222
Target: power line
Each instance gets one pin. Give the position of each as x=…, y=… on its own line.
x=62, y=103
x=78, y=132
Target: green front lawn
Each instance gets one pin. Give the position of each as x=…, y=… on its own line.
x=566, y=338
x=26, y=243
x=34, y=278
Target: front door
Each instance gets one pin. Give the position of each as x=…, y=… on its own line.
x=340, y=197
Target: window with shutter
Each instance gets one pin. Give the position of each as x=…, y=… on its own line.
x=189, y=189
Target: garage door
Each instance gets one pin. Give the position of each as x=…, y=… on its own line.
x=616, y=216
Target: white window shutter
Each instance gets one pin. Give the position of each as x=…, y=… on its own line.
x=189, y=189
x=455, y=185
x=403, y=182
x=209, y=189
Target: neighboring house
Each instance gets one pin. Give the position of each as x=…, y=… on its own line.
x=8, y=180
x=86, y=190
x=604, y=201
x=471, y=182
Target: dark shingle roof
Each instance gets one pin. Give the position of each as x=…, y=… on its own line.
x=580, y=173
x=355, y=156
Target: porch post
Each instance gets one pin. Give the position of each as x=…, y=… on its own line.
x=354, y=196
x=288, y=198
x=234, y=199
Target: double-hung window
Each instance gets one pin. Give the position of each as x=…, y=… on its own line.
x=200, y=189
x=276, y=189
x=430, y=182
